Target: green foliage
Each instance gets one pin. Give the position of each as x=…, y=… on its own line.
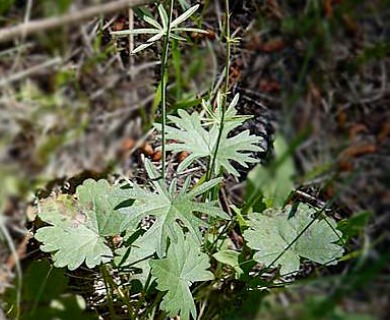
x=184, y=265
x=54, y=8
x=81, y=226
x=353, y=226
x=274, y=182
x=78, y=227
x=5, y=5
x=137, y=255
x=278, y=240
x=230, y=258
x=169, y=207
x=192, y=135
x=303, y=308
x=162, y=227
x=160, y=30
x=44, y=295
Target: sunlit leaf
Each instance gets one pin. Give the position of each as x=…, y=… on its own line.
x=184, y=16
x=161, y=30
x=230, y=258
x=184, y=265
x=153, y=22
x=135, y=31
x=271, y=234
x=190, y=135
x=78, y=229
x=169, y=209
x=163, y=16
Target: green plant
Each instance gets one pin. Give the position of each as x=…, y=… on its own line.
x=277, y=239
x=167, y=27
x=171, y=250
x=201, y=139
x=168, y=30
x=171, y=237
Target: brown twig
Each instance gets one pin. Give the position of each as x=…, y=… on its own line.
x=31, y=27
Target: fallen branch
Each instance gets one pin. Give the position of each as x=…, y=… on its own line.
x=25, y=73
x=31, y=27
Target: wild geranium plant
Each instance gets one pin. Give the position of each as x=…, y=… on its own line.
x=171, y=250
x=198, y=136
x=172, y=237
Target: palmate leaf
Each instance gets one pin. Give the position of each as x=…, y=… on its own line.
x=78, y=227
x=190, y=135
x=169, y=209
x=184, y=264
x=161, y=30
x=137, y=255
x=271, y=232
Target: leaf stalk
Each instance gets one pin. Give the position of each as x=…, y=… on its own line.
x=211, y=166
x=164, y=64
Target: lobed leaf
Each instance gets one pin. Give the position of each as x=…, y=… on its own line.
x=77, y=228
x=169, y=209
x=191, y=136
x=271, y=234
x=184, y=264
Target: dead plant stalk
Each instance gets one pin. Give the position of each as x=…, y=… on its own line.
x=70, y=18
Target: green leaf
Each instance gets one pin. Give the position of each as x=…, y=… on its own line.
x=78, y=228
x=161, y=29
x=45, y=295
x=169, y=209
x=141, y=47
x=230, y=258
x=156, y=37
x=185, y=104
x=137, y=255
x=231, y=120
x=153, y=22
x=189, y=30
x=184, y=265
x=163, y=16
x=135, y=31
x=354, y=225
x=184, y=16
x=274, y=182
x=192, y=136
x=271, y=233
x=184, y=4
x=102, y=199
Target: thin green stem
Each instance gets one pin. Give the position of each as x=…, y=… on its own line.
x=164, y=63
x=211, y=166
x=156, y=301
x=143, y=295
x=106, y=277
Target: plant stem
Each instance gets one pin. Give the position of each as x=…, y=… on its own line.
x=211, y=167
x=106, y=276
x=164, y=62
x=143, y=295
